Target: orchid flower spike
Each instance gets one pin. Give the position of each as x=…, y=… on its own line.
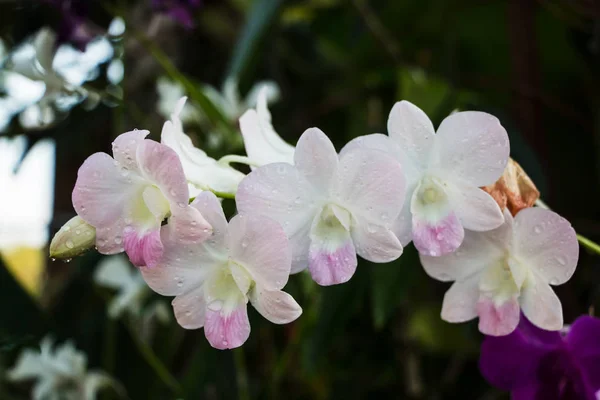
x=201, y=171
x=246, y=260
x=496, y=273
x=330, y=207
x=444, y=171
x=263, y=144
x=127, y=198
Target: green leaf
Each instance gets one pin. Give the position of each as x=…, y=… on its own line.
x=261, y=16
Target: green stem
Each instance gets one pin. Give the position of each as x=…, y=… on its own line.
x=588, y=244
x=241, y=373
x=155, y=363
x=223, y=195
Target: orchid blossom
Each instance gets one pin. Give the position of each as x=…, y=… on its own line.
x=499, y=272
x=263, y=144
x=59, y=373
x=201, y=171
x=246, y=260
x=331, y=207
x=127, y=198
x=536, y=364
x=444, y=171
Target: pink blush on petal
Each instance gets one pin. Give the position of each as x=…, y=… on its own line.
x=437, y=239
x=497, y=320
x=227, y=331
x=332, y=267
x=143, y=250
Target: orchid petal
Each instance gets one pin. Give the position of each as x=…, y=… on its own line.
x=471, y=146
x=280, y=192
x=410, y=127
x=190, y=309
x=263, y=145
x=276, y=306
x=316, y=159
x=332, y=262
x=437, y=238
x=375, y=243
x=260, y=245
x=546, y=243
x=476, y=252
x=227, y=331
x=412, y=169
x=497, y=319
x=540, y=304
x=124, y=148
x=143, y=249
x=476, y=210
x=371, y=185
x=460, y=301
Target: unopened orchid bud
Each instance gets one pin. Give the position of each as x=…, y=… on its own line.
x=73, y=239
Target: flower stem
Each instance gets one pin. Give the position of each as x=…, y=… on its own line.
x=154, y=362
x=241, y=373
x=588, y=244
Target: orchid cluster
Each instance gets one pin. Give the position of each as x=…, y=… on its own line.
x=312, y=207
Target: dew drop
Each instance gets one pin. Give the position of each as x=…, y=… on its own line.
x=561, y=260
x=554, y=281
x=225, y=342
x=66, y=228
x=537, y=229
x=70, y=244
x=118, y=240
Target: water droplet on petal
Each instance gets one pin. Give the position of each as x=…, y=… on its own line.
x=561, y=260
x=70, y=244
x=537, y=229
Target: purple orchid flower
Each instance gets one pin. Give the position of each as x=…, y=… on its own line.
x=534, y=364
x=179, y=10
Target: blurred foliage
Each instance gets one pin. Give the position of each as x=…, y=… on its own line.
x=341, y=65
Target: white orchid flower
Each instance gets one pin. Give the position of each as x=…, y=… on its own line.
x=201, y=171
x=263, y=144
x=61, y=373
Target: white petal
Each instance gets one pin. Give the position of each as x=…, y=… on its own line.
x=546, y=243
x=371, y=185
x=402, y=226
x=375, y=243
x=200, y=169
x=316, y=158
x=260, y=245
x=412, y=169
x=460, y=301
x=476, y=209
x=190, y=309
x=477, y=251
x=471, y=146
x=410, y=127
x=263, y=144
x=540, y=304
x=278, y=191
x=276, y=306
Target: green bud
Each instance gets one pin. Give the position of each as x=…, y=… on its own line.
x=73, y=239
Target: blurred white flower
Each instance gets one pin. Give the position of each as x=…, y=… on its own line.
x=37, y=77
x=228, y=100
x=61, y=373
x=115, y=272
